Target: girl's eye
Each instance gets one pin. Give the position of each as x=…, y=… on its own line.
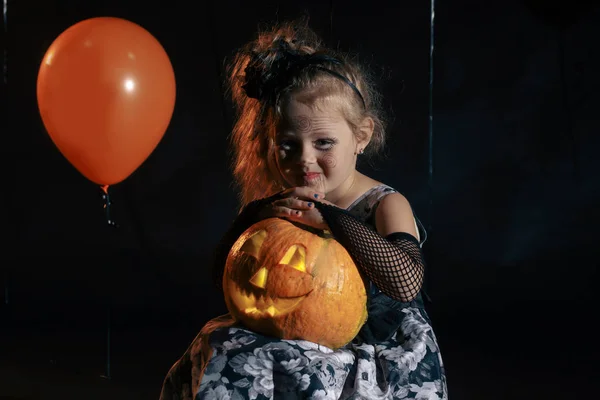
x=286, y=145
x=320, y=144
x=324, y=144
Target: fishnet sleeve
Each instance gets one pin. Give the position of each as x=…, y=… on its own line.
x=394, y=263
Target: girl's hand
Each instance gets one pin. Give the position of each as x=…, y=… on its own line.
x=298, y=205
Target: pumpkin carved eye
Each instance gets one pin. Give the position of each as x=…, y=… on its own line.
x=295, y=257
x=252, y=247
x=254, y=243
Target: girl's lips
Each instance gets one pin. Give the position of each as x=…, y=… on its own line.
x=310, y=175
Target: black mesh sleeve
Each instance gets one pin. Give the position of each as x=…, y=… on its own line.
x=395, y=263
x=245, y=219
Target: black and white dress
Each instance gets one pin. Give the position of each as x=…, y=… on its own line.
x=395, y=355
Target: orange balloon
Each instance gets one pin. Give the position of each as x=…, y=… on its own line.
x=106, y=94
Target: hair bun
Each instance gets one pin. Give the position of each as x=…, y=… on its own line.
x=269, y=71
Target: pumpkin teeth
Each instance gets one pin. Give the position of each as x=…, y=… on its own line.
x=251, y=310
x=271, y=311
x=261, y=304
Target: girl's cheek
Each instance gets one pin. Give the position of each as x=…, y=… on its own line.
x=329, y=160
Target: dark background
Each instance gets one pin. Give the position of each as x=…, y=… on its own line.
x=511, y=203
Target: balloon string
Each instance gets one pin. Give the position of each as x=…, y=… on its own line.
x=5, y=55
x=5, y=80
x=111, y=222
x=107, y=204
x=6, y=287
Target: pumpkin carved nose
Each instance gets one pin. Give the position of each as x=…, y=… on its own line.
x=260, y=278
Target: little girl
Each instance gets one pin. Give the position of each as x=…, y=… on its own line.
x=305, y=114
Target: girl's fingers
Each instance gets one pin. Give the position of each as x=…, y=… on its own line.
x=281, y=211
x=294, y=203
x=304, y=192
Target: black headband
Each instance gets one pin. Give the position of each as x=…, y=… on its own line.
x=288, y=62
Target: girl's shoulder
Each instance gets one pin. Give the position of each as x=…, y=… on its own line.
x=365, y=207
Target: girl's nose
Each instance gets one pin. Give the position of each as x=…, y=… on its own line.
x=307, y=155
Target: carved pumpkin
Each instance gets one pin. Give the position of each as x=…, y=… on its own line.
x=285, y=281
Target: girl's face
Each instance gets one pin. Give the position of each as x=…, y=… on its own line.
x=316, y=147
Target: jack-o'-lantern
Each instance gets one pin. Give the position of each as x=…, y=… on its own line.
x=288, y=281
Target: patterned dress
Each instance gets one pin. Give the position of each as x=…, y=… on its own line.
x=395, y=355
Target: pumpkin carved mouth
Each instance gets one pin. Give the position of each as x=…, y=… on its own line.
x=264, y=305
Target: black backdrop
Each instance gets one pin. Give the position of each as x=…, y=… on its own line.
x=511, y=201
